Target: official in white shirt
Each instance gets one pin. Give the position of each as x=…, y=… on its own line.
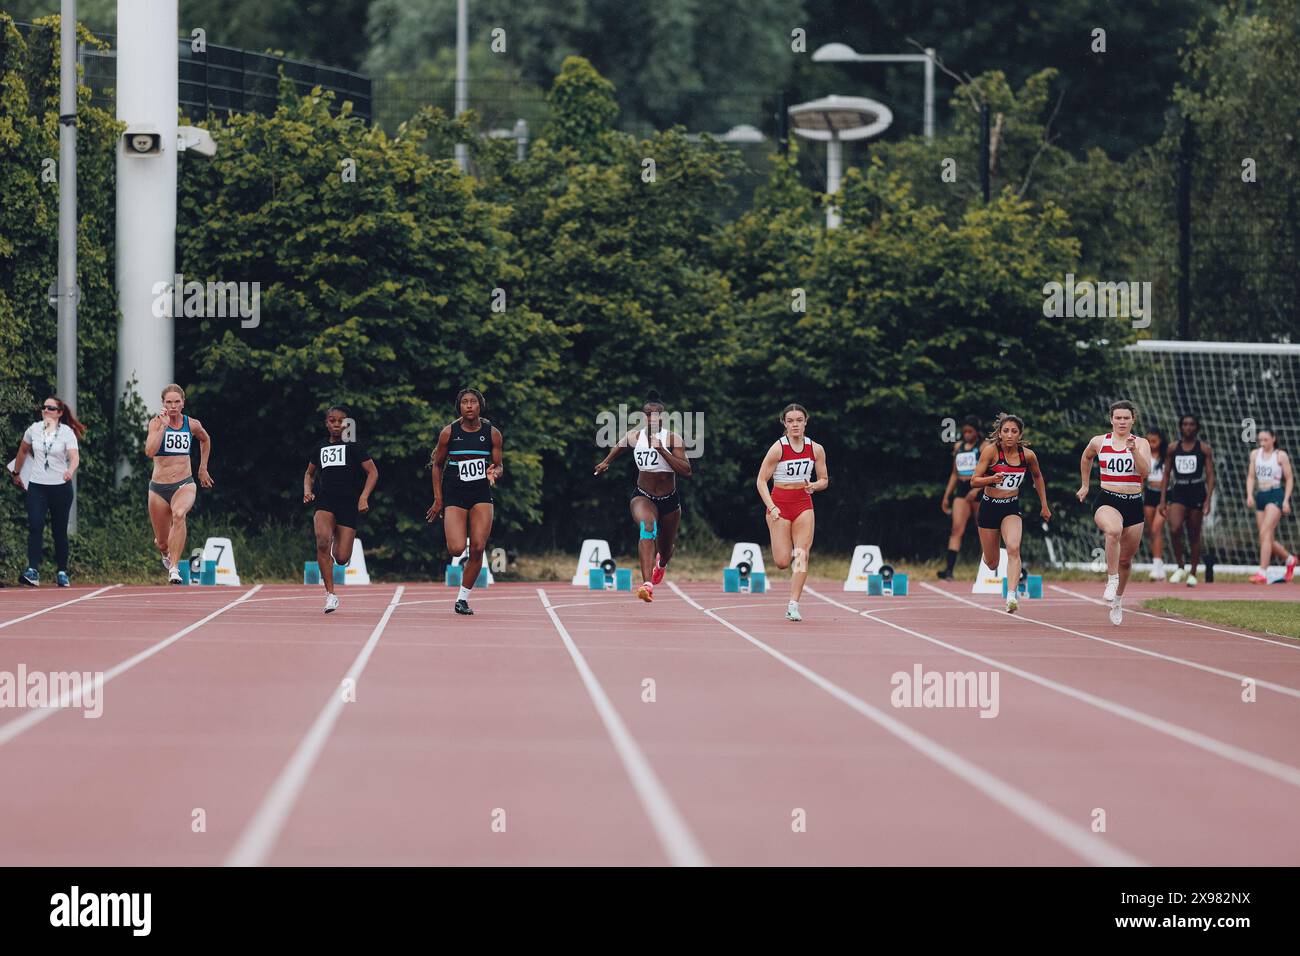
x=47, y=459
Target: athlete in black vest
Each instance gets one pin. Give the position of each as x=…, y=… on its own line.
x=469, y=450
x=1190, y=463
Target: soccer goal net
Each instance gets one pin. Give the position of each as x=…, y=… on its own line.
x=1234, y=389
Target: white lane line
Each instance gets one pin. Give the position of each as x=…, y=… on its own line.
x=1076, y=838
x=1293, y=645
x=47, y=610
x=1247, y=758
x=678, y=843
x=263, y=830
x=1196, y=665
x=33, y=717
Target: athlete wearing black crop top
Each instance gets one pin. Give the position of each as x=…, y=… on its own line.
x=1001, y=471
x=340, y=477
x=466, y=466
x=1189, y=462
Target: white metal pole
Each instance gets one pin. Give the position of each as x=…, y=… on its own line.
x=929, y=93
x=147, y=94
x=462, y=79
x=834, y=163
x=67, y=275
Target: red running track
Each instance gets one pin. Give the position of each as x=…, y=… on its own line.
x=570, y=727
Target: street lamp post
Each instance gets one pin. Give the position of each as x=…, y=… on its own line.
x=843, y=53
x=832, y=120
x=66, y=282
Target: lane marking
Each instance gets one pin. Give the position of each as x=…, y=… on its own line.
x=30, y=719
x=263, y=830
x=47, y=610
x=678, y=843
x=1076, y=838
x=1247, y=758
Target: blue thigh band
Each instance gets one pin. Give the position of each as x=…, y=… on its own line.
x=654, y=530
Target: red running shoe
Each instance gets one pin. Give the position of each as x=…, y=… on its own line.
x=1290, y=568
x=657, y=575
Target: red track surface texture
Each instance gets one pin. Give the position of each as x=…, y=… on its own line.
x=242, y=726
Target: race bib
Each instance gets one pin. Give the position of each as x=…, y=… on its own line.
x=333, y=455
x=474, y=469
x=966, y=461
x=176, y=442
x=1011, y=479
x=1185, y=464
x=647, y=458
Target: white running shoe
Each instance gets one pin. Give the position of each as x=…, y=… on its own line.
x=174, y=577
x=1013, y=603
x=792, y=612
x=167, y=562
x=1191, y=580
x=331, y=603
x=1116, y=612
x=1178, y=575
x=1112, y=588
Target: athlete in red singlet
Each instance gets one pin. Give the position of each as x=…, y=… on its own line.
x=790, y=465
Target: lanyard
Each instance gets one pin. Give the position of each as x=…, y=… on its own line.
x=49, y=444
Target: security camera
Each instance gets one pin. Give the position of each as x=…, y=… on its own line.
x=142, y=140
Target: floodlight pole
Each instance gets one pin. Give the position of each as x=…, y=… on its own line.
x=66, y=281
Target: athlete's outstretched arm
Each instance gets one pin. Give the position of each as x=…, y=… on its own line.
x=308, y=478
x=496, y=468
x=622, y=446
x=438, y=460
x=1209, y=473
x=952, y=483
x=372, y=479
x=1040, y=485
x=205, y=449
x=153, y=441
x=1085, y=468
x=676, y=459
x=1164, y=482
x=819, y=463
x=982, y=478
x=765, y=471
x=1250, y=478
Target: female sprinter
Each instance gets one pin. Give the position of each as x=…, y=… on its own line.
x=172, y=491
x=1125, y=464
x=959, y=499
x=1270, y=468
x=1190, y=462
x=470, y=450
x=1152, y=520
x=790, y=464
x=1001, y=478
x=656, y=506
x=347, y=477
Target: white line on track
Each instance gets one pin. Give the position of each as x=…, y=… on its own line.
x=1218, y=672
x=1247, y=758
x=1293, y=645
x=46, y=610
x=33, y=717
x=674, y=835
x=1076, y=838
x=263, y=830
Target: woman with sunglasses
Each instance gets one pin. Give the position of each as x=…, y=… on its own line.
x=51, y=444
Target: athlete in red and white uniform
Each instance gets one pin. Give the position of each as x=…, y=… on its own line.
x=790, y=465
x=1125, y=464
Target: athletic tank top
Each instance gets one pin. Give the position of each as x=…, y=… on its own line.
x=469, y=453
x=1268, y=471
x=795, y=466
x=1119, y=465
x=1189, y=466
x=1013, y=476
x=651, y=459
x=176, y=441
x=966, y=459
x=1157, y=473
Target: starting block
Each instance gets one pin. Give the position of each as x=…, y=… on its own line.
x=455, y=573
x=208, y=575
x=742, y=579
x=186, y=575
x=887, y=583
x=310, y=572
x=1030, y=585
x=609, y=577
